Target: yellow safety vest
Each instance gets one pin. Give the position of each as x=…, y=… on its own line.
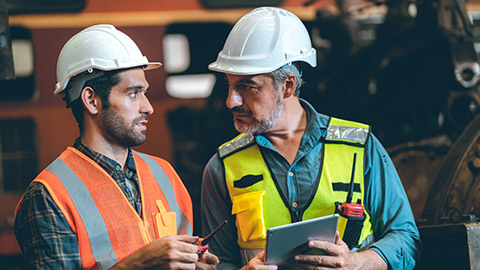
x=256, y=200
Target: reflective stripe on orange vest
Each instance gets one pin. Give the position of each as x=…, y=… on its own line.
x=183, y=224
x=101, y=246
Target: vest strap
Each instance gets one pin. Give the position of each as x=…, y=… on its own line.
x=236, y=144
x=343, y=131
x=167, y=188
x=96, y=228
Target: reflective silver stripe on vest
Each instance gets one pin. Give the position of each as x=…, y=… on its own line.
x=235, y=144
x=183, y=226
x=353, y=134
x=102, y=248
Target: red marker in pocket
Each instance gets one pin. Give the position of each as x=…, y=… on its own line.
x=202, y=243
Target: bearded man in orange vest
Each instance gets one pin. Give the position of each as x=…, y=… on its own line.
x=100, y=204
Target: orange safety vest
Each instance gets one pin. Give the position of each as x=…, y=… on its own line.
x=108, y=227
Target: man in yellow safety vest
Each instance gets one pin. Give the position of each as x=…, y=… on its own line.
x=291, y=163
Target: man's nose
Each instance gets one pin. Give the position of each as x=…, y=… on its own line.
x=234, y=99
x=146, y=106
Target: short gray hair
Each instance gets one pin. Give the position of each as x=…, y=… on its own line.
x=280, y=75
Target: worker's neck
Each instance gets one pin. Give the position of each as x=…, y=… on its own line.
x=287, y=133
x=101, y=145
x=291, y=122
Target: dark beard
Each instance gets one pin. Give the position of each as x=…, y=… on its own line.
x=124, y=135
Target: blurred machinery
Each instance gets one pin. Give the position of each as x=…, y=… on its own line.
x=417, y=85
x=415, y=80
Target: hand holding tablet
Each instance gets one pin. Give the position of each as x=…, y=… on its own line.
x=283, y=242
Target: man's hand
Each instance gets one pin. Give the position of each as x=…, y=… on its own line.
x=170, y=252
x=339, y=256
x=258, y=263
x=207, y=261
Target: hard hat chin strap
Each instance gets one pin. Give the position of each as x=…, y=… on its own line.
x=75, y=86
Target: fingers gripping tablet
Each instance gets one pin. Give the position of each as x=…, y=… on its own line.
x=283, y=242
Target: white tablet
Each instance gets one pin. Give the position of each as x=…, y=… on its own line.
x=283, y=242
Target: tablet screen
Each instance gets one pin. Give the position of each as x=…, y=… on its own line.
x=284, y=241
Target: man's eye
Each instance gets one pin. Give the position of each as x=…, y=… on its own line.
x=245, y=87
x=133, y=94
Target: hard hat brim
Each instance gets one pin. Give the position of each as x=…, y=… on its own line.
x=148, y=66
x=246, y=67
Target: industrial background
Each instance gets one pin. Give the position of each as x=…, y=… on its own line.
x=408, y=68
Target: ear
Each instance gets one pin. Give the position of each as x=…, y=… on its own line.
x=90, y=100
x=290, y=85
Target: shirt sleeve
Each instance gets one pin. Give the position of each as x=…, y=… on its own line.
x=43, y=233
x=397, y=239
x=216, y=207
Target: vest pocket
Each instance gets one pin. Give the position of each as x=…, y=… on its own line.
x=248, y=208
x=165, y=222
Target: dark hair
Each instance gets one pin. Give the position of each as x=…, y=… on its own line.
x=102, y=86
x=280, y=75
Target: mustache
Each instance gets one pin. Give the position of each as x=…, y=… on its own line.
x=143, y=117
x=241, y=110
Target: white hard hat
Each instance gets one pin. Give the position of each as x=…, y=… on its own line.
x=264, y=40
x=100, y=47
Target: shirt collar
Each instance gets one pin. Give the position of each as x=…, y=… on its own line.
x=317, y=124
x=108, y=164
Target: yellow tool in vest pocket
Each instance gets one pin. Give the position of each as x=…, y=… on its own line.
x=165, y=222
x=351, y=215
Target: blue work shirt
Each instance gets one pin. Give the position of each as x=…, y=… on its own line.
x=397, y=239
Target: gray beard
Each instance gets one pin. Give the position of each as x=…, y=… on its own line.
x=262, y=126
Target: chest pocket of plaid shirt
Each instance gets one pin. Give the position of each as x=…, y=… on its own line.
x=165, y=222
x=249, y=210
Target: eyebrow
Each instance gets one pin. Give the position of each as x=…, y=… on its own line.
x=135, y=87
x=248, y=81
